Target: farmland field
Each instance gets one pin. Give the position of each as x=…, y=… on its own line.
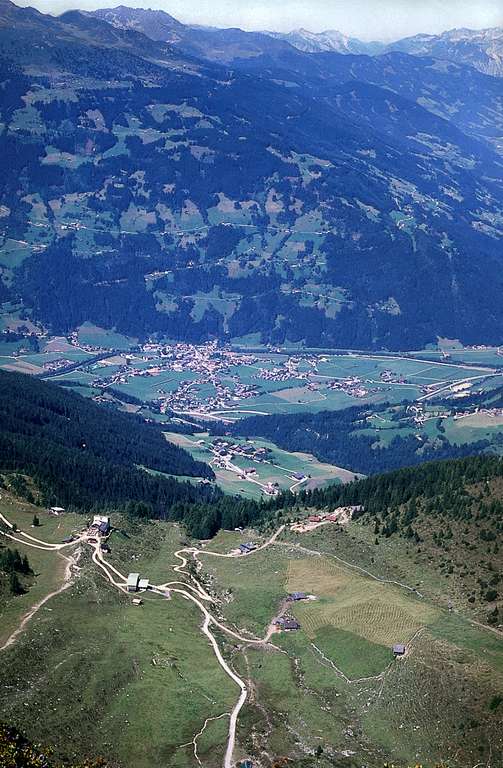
x=342, y=655
x=384, y=378
x=280, y=467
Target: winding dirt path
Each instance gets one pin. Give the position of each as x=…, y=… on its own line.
x=195, y=593
x=67, y=582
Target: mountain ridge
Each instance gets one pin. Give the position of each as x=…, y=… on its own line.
x=482, y=49
x=315, y=198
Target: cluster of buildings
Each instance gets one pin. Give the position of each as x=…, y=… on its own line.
x=306, y=368
x=341, y=515
x=391, y=378
x=418, y=415
x=98, y=529
x=286, y=624
x=136, y=584
x=291, y=368
x=57, y=365
x=186, y=398
x=225, y=453
x=73, y=338
x=225, y=450
x=207, y=359
x=212, y=362
x=352, y=386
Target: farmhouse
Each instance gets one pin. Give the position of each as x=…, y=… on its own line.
x=293, y=597
x=286, y=624
x=247, y=548
x=398, y=649
x=132, y=582
x=143, y=584
x=291, y=625
x=101, y=520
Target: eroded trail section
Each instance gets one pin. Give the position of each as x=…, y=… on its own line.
x=71, y=562
x=194, y=592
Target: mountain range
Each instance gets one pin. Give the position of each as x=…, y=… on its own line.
x=482, y=49
x=194, y=183
x=329, y=40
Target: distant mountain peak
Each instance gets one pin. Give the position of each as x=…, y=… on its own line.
x=480, y=48
x=155, y=23
x=327, y=40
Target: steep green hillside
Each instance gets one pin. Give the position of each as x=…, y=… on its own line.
x=16, y=751
x=80, y=455
x=349, y=439
x=57, y=447
x=449, y=516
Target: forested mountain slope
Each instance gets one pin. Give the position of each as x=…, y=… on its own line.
x=455, y=90
x=284, y=197
x=58, y=448
x=344, y=438
x=81, y=455
x=450, y=514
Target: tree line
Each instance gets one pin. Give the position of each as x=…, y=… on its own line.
x=12, y=566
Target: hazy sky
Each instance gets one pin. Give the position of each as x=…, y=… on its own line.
x=367, y=19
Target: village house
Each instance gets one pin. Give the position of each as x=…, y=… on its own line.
x=102, y=524
x=286, y=624
x=247, y=548
x=294, y=597
x=132, y=582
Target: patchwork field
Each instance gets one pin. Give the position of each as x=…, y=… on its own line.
x=341, y=661
x=384, y=378
x=377, y=612
x=204, y=384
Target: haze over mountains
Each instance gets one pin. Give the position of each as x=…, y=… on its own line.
x=197, y=183
x=482, y=49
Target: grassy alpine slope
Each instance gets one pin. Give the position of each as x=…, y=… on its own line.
x=331, y=695
x=446, y=515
